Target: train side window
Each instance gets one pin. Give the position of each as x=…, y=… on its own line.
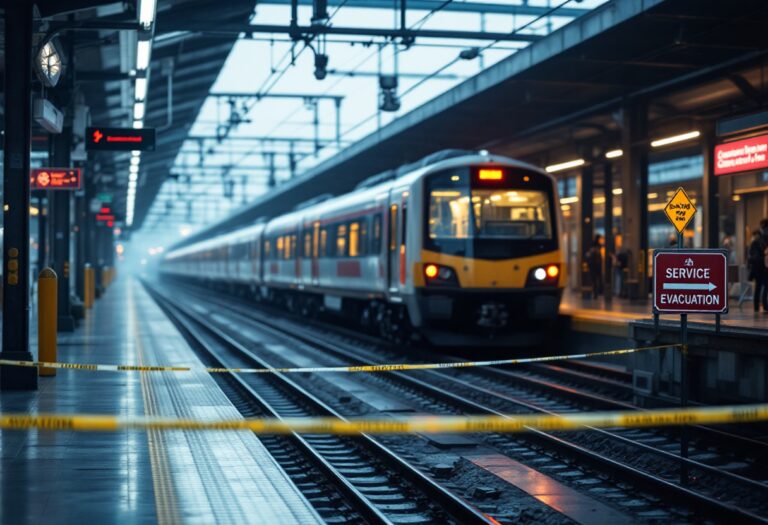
x=323, y=242
x=403, y=224
x=354, y=239
x=316, y=240
x=364, y=237
x=341, y=240
x=307, y=244
x=294, y=246
x=376, y=245
x=393, y=227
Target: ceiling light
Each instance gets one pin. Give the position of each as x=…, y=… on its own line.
x=136, y=153
x=617, y=191
x=143, y=47
x=614, y=153
x=135, y=161
x=133, y=169
x=569, y=200
x=675, y=138
x=138, y=111
x=147, y=12
x=138, y=124
x=133, y=177
x=140, y=89
x=564, y=165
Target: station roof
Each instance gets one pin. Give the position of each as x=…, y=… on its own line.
x=625, y=50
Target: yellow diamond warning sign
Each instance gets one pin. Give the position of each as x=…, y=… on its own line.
x=680, y=210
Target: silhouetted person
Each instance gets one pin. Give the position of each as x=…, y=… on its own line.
x=757, y=269
x=595, y=265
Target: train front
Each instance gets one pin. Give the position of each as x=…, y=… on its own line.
x=491, y=267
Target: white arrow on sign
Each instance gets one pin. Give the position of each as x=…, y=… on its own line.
x=689, y=286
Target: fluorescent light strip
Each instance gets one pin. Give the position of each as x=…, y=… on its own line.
x=138, y=124
x=140, y=89
x=569, y=200
x=614, y=153
x=133, y=169
x=147, y=12
x=143, y=48
x=564, y=165
x=135, y=161
x=138, y=111
x=675, y=139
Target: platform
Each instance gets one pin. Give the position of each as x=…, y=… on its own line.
x=728, y=363
x=132, y=477
x=615, y=317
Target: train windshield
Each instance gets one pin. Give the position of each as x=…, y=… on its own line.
x=503, y=218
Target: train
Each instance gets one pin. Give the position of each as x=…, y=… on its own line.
x=458, y=248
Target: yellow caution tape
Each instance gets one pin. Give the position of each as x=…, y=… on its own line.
x=409, y=425
x=324, y=369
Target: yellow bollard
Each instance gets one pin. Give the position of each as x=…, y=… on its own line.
x=89, y=281
x=46, y=319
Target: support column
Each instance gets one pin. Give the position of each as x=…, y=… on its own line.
x=634, y=199
x=60, y=222
x=42, y=232
x=710, y=191
x=587, y=234
x=610, y=241
x=16, y=149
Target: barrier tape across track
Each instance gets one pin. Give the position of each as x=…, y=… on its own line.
x=324, y=369
x=417, y=424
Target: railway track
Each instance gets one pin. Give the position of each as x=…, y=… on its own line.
x=644, y=457
x=376, y=483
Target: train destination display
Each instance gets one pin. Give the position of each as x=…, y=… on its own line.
x=690, y=281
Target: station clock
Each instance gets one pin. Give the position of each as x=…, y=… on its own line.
x=48, y=64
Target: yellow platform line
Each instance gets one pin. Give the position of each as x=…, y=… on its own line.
x=166, y=505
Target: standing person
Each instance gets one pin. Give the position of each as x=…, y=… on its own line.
x=757, y=270
x=595, y=265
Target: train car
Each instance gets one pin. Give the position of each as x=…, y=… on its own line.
x=459, y=248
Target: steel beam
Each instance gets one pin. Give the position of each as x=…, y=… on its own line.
x=430, y=5
x=16, y=150
x=206, y=27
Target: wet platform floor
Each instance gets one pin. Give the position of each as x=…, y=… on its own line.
x=133, y=476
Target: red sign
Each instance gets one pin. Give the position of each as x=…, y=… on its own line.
x=55, y=179
x=742, y=155
x=120, y=139
x=690, y=281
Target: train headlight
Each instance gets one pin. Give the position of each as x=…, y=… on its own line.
x=436, y=274
x=544, y=275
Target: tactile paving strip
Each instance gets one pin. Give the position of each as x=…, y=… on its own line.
x=222, y=477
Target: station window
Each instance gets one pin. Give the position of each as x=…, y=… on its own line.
x=341, y=240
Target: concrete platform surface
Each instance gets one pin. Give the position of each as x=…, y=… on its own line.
x=137, y=477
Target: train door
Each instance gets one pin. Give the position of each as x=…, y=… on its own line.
x=315, y=253
x=393, y=268
x=396, y=233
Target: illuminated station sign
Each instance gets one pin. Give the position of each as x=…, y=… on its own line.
x=742, y=155
x=120, y=139
x=55, y=179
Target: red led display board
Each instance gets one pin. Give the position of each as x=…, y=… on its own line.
x=55, y=179
x=120, y=139
x=690, y=281
x=741, y=155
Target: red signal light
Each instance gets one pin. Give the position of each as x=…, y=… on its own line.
x=490, y=174
x=553, y=271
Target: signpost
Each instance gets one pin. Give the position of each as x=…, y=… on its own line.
x=120, y=139
x=686, y=282
x=55, y=179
